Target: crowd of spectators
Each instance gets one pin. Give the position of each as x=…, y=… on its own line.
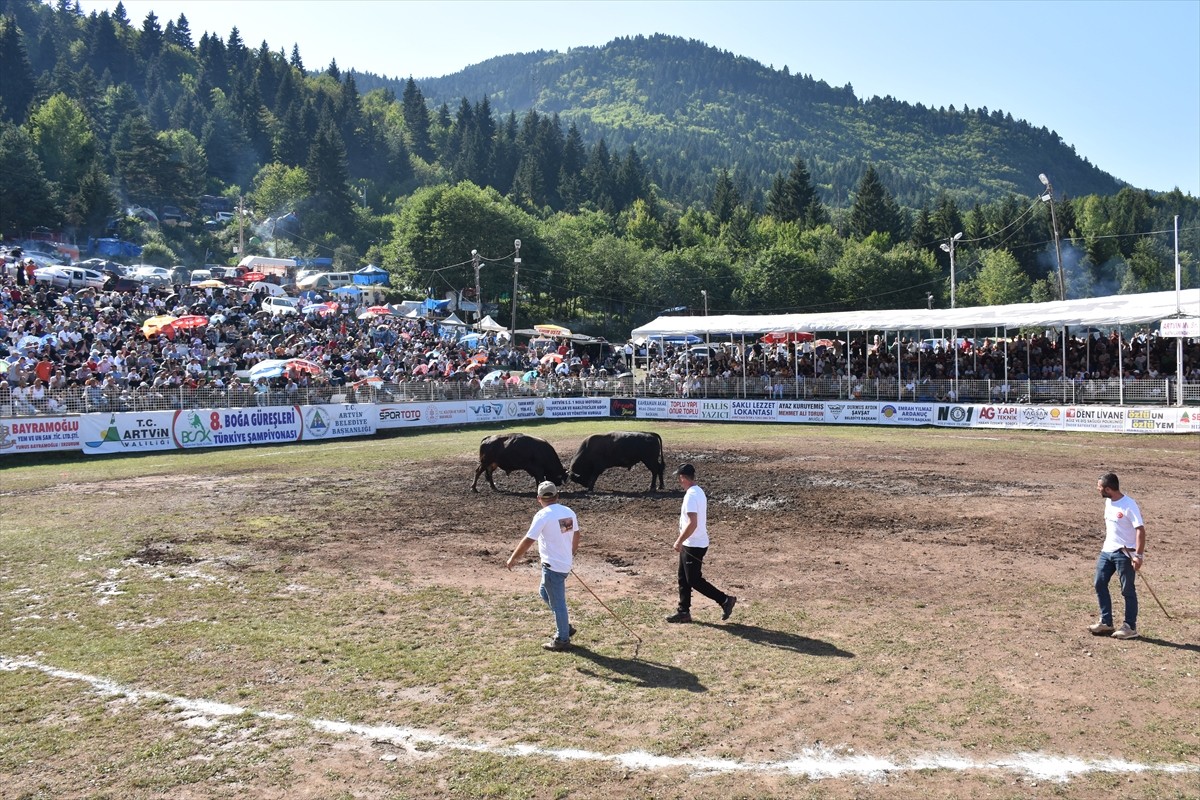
x=73, y=351
x=976, y=369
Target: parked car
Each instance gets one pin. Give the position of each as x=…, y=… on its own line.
x=71, y=277
x=152, y=275
x=278, y=306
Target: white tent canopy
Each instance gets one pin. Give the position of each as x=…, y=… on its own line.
x=452, y=321
x=1125, y=309
x=489, y=324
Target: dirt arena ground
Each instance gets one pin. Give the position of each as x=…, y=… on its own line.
x=968, y=556
x=900, y=594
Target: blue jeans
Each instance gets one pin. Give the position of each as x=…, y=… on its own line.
x=554, y=593
x=1120, y=563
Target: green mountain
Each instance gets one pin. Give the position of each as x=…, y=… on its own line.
x=691, y=109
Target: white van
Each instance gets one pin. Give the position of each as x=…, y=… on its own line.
x=326, y=281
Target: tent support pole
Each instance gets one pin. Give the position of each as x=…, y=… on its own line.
x=1120, y=370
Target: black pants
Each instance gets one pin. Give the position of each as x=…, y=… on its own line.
x=691, y=560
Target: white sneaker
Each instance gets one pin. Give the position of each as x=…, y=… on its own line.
x=1125, y=632
x=1101, y=629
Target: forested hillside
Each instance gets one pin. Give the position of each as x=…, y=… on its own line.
x=780, y=193
x=691, y=109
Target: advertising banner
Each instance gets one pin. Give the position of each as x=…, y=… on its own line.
x=852, y=413
x=38, y=435
x=753, y=410
x=399, y=415
x=954, y=416
x=525, y=408
x=223, y=427
x=905, y=414
x=448, y=413
x=1042, y=418
x=657, y=407
x=337, y=421
x=622, y=407
x=998, y=416
x=799, y=411
x=126, y=433
x=716, y=409
x=486, y=411
x=1094, y=418
x=576, y=407
x=1162, y=420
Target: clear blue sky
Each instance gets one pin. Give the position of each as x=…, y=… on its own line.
x=1118, y=80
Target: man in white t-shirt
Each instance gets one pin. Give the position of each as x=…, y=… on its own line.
x=555, y=528
x=1123, y=552
x=692, y=545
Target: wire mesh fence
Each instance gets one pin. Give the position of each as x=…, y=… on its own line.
x=1139, y=392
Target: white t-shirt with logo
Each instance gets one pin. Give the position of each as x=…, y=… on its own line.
x=694, y=500
x=1121, y=520
x=553, y=528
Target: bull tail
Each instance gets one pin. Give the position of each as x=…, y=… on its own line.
x=662, y=466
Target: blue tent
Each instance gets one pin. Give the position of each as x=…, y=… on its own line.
x=437, y=306
x=371, y=275
x=347, y=290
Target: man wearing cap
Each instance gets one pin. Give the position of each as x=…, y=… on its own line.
x=692, y=545
x=555, y=528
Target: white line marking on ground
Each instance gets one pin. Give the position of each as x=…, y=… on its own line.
x=813, y=763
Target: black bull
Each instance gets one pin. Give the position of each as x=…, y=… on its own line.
x=603, y=451
x=513, y=451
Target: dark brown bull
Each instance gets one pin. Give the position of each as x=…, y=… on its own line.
x=513, y=451
x=602, y=451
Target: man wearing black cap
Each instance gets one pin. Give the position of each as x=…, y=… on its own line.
x=555, y=528
x=692, y=544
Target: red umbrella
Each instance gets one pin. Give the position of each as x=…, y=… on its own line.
x=303, y=365
x=779, y=337
x=250, y=277
x=555, y=357
x=189, y=321
x=382, y=311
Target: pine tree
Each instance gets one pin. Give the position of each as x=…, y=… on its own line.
x=181, y=34
x=330, y=207
x=598, y=177
x=17, y=87
x=725, y=198
x=416, y=119
x=795, y=199
x=151, y=39
x=26, y=197
x=874, y=210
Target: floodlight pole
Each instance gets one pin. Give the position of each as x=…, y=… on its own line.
x=516, y=269
x=1049, y=197
x=478, y=298
x=949, y=248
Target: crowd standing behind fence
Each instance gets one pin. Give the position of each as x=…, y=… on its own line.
x=77, y=351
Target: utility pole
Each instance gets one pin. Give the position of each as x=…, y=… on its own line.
x=516, y=269
x=475, y=261
x=241, y=229
x=1049, y=198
